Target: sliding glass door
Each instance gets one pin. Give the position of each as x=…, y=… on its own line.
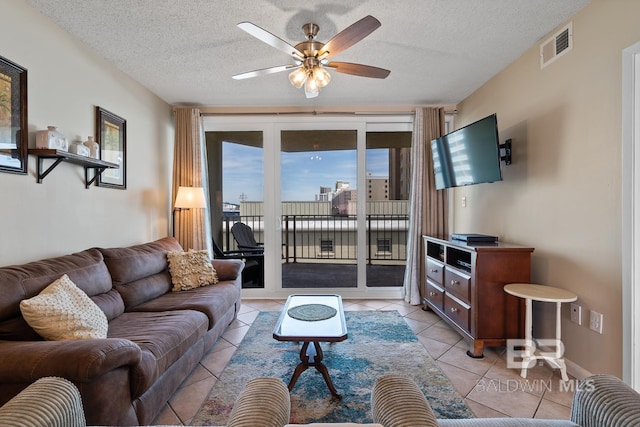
x=236, y=191
x=388, y=179
x=327, y=197
x=318, y=182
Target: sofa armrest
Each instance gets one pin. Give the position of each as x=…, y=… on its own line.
x=396, y=401
x=76, y=360
x=228, y=269
x=47, y=402
x=604, y=400
x=264, y=402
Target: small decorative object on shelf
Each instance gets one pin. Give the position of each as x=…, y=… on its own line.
x=51, y=139
x=94, y=148
x=77, y=147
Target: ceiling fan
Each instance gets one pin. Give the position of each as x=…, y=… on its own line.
x=311, y=57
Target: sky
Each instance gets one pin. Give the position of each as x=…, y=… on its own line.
x=302, y=173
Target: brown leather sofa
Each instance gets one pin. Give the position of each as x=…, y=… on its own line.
x=155, y=338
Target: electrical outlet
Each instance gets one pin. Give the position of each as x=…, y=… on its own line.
x=464, y=202
x=576, y=313
x=595, y=321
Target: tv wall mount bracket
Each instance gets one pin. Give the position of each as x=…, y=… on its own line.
x=505, y=152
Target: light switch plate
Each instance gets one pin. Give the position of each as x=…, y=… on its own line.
x=576, y=313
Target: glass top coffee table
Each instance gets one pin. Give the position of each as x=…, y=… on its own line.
x=312, y=319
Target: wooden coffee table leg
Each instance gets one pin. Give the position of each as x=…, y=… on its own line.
x=321, y=367
x=317, y=363
x=302, y=366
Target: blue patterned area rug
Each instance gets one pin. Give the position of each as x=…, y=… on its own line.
x=379, y=343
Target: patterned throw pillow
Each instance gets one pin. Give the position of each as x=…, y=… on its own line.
x=62, y=311
x=191, y=269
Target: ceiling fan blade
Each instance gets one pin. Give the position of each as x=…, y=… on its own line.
x=349, y=36
x=359, y=70
x=264, y=71
x=270, y=39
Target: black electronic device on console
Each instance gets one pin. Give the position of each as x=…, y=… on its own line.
x=474, y=238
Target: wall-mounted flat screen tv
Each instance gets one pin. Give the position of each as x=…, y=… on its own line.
x=467, y=156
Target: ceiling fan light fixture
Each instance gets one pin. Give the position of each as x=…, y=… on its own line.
x=298, y=77
x=311, y=88
x=311, y=94
x=321, y=76
x=311, y=85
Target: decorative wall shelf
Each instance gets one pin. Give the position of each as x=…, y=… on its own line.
x=59, y=156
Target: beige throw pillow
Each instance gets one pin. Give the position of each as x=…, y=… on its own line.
x=62, y=311
x=191, y=269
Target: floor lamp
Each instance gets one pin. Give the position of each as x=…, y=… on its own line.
x=187, y=198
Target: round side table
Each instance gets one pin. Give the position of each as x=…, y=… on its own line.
x=530, y=293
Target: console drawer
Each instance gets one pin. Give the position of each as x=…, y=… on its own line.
x=435, y=295
x=435, y=271
x=457, y=283
x=457, y=311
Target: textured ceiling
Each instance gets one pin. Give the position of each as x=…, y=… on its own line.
x=185, y=51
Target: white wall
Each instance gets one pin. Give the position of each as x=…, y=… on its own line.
x=562, y=194
x=65, y=82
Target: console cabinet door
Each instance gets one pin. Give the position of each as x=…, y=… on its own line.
x=435, y=271
x=435, y=295
x=457, y=283
x=457, y=311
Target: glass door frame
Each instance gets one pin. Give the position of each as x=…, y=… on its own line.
x=271, y=126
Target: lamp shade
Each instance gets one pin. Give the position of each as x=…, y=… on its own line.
x=190, y=198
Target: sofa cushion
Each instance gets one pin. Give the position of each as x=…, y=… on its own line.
x=213, y=301
x=141, y=272
x=190, y=270
x=228, y=269
x=62, y=311
x=163, y=338
x=86, y=269
x=146, y=289
x=136, y=262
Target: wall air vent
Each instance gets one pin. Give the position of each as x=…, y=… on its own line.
x=557, y=45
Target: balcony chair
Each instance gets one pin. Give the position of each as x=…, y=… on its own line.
x=243, y=234
x=253, y=272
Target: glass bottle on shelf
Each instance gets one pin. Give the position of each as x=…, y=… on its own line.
x=94, y=148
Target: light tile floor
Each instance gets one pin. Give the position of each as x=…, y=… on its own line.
x=489, y=388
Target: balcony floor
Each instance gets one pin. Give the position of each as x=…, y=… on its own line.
x=329, y=275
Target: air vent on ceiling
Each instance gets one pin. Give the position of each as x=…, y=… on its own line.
x=557, y=45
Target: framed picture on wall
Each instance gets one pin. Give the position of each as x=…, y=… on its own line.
x=111, y=135
x=13, y=118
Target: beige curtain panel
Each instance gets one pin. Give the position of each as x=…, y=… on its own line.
x=428, y=208
x=189, y=171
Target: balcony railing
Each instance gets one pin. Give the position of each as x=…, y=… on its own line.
x=320, y=238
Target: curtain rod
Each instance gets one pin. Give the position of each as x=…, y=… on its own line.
x=311, y=113
x=293, y=111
